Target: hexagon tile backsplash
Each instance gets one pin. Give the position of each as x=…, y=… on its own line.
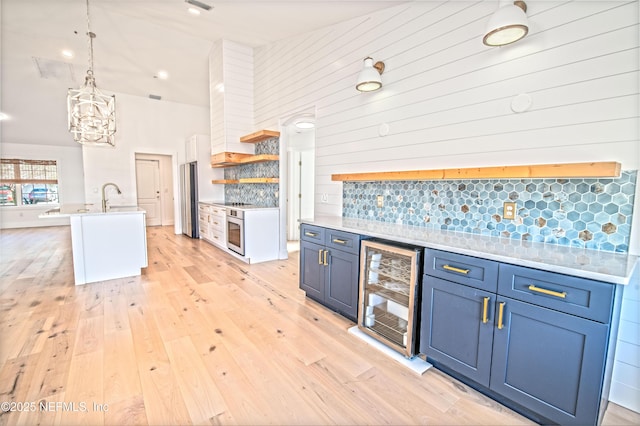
x=589, y=213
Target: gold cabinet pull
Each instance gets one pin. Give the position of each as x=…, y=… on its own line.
x=559, y=294
x=324, y=262
x=339, y=241
x=310, y=234
x=485, y=309
x=454, y=269
x=500, y=315
x=320, y=257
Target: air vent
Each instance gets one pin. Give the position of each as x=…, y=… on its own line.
x=54, y=70
x=199, y=4
x=156, y=97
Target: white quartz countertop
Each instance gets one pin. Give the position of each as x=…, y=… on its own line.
x=66, y=210
x=615, y=268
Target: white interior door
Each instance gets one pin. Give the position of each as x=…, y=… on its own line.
x=148, y=188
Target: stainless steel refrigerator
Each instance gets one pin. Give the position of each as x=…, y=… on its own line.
x=189, y=199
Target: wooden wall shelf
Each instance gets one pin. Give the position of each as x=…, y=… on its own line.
x=570, y=170
x=246, y=180
x=227, y=159
x=232, y=159
x=260, y=136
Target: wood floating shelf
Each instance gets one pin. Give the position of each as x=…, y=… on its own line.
x=227, y=159
x=260, y=136
x=232, y=159
x=260, y=158
x=246, y=180
x=225, y=181
x=569, y=170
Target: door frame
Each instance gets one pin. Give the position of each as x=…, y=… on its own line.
x=287, y=126
x=167, y=174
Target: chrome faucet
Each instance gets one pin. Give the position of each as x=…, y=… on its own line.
x=104, y=198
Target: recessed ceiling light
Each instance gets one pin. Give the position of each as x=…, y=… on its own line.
x=193, y=11
x=3, y=116
x=67, y=53
x=163, y=75
x=305, y=124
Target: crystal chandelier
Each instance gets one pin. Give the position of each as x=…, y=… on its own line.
x=91, y=114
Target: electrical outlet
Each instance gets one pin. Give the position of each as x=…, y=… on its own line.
x=509, y=210
x=324, y=198
x=380, y=201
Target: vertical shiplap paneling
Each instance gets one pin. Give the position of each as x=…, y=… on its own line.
x=238, y=95
x=447, y=98
x=216, y=97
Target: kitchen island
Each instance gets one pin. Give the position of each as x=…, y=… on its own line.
x=106, y=245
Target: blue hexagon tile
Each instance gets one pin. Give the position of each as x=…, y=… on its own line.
x=589, y=213
x=260, y=194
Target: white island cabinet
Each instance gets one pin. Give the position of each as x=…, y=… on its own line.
x=105, y=245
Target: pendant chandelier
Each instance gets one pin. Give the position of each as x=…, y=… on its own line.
x=91, y=114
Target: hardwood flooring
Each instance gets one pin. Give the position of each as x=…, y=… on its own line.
x=200, y=338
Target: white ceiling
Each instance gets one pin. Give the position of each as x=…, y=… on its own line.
x=134, y=40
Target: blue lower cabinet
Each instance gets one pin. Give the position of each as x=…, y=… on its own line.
x=341, y=285
x=329, y=268
x=540, y=344
x=312, y=270
x=457, y=327
x=549, y=362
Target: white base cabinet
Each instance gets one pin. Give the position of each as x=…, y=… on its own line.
x=261, y=235
x=108, y=246
x=212, y=224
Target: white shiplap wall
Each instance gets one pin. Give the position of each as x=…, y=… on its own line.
x=447, y=101
x=231, y=82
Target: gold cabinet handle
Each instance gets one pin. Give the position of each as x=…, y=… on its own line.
x=339, y=241
x=320, y=257
x=310, y=234
x=454, y=269
x=485, y=309
x=559, y=294
x=324, y=262
x=215, y=223
x=500, y=315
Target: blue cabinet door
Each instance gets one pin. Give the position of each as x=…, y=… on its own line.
x=456, y=328
x=548, y=361
x=341, y=283
x=312, y=270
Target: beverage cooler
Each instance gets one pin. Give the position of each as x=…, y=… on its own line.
x=389, y=294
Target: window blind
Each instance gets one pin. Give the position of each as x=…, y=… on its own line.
x=28, y=171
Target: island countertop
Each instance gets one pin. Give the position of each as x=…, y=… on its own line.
x=66, y=210
x=614, y=268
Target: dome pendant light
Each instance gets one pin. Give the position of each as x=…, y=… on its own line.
x=369, y=78
x=508, y=24
x=91, y=114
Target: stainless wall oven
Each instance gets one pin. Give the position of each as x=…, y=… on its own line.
x=235, y=230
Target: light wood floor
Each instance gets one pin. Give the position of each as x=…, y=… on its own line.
x=200, y=338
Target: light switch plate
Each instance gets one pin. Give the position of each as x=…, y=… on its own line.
x=509, y=211
x=380, y=201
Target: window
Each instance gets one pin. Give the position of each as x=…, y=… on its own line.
x=28, y=182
